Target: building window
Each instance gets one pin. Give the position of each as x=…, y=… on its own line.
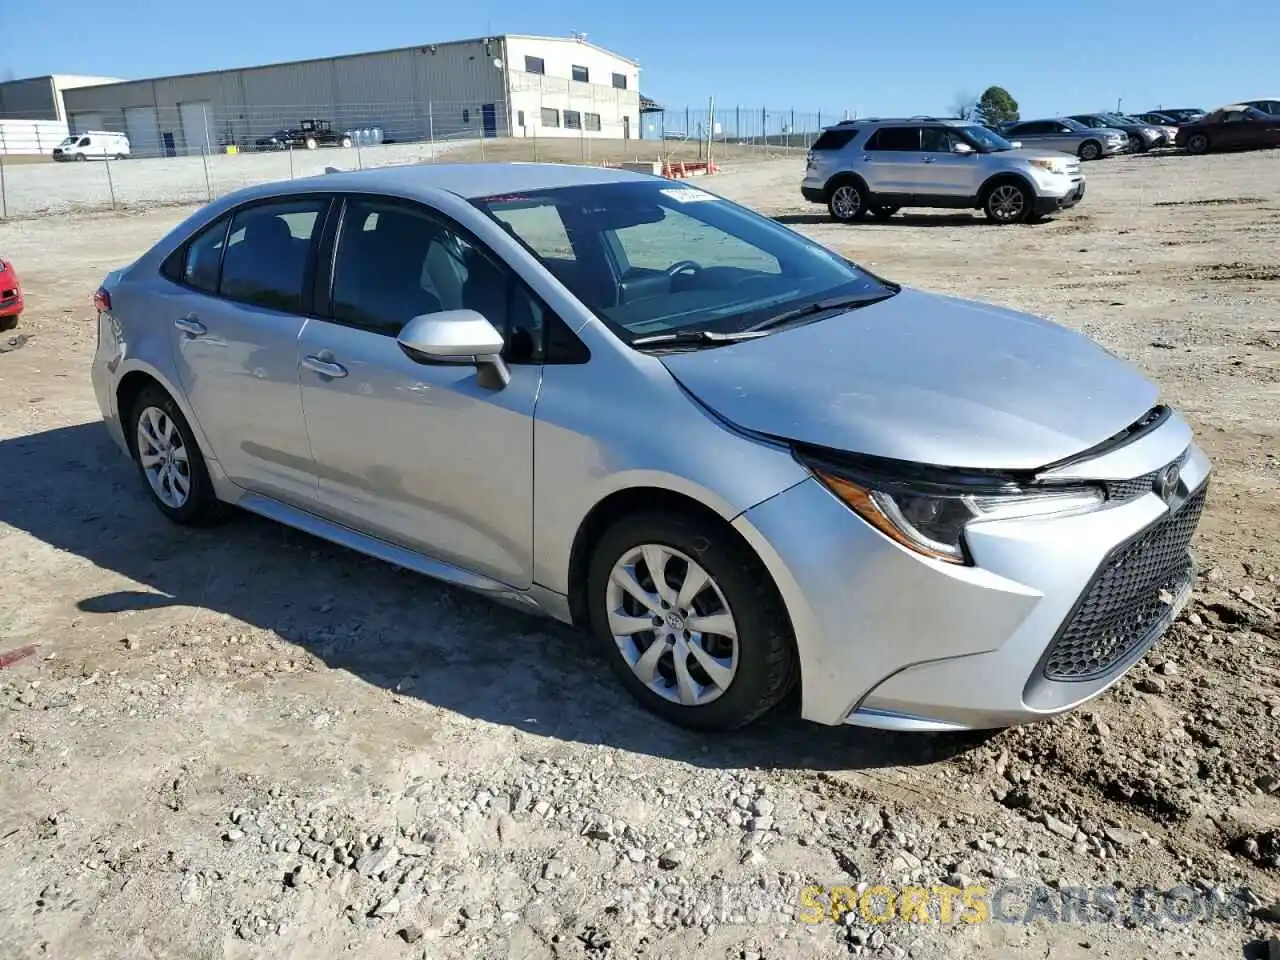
x=519, y=118
x=619, y=81
x=550, y=117
x=572, y=120
x=592, y=120
x=535, y=65
x=580, y=74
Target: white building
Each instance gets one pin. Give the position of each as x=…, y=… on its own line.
x=499, y=86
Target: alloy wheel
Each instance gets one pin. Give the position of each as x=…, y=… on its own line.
x=1007, y=203
x=846, y=202
x=1089, y=151
x=672, y=625
x=163, y=456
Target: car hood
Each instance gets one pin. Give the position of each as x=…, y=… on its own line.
x=1023, y=153
x=924, y=378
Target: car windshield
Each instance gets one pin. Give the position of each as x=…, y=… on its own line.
x=69, y=141
x=650, y=257
x=1074, y=124
x=1183, y=115
x=988, y=140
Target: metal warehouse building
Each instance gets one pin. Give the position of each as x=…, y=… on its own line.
x=500, y=86
x=41, y=98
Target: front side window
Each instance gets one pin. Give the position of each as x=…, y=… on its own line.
x=653, y=258
x=265, y=263
x=397, y=261
x=84, y=142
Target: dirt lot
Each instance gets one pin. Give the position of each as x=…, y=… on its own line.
x=245, y=743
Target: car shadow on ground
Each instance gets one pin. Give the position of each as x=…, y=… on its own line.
x=897, y=220
x=72, y=489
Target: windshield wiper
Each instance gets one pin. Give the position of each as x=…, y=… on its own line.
x=819, y=306
x=694, y=337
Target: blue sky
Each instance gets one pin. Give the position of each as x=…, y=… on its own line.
x=903, y=57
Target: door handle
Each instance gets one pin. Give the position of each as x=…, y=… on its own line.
x=191, y=326
x=326, y=368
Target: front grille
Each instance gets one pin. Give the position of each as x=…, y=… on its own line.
x=1127, y=598
x=1122, y=490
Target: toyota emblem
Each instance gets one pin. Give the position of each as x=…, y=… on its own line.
x=1167, y=482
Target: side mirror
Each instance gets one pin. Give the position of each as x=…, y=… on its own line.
x=961, y=148
x=455, y=337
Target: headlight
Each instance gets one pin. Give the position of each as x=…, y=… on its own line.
x=928, y=511
x=1053, y=166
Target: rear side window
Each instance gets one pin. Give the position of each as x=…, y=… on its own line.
x=834, y=139
x=265, y=263
x=895, y=138
x=204, y=253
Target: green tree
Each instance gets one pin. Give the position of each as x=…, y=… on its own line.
x=997, y=106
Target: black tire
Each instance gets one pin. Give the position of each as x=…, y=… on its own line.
x=884, y=213
x=997, y=202
x=847, y=201
x=1090, y=150
x=767, y=666
x=81, y=157
x=1198, y=144
x=201, y=508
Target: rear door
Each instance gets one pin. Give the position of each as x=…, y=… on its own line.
x=892, y=162
x=237, y=305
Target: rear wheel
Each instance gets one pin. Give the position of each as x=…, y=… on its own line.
x=311, y=143
x=169, y=458
x=884, y=213
x=690, y=621
x=1008, y=202
x=1090, y=150
x=848, y=202
x=346, y=141
x=1197, y=143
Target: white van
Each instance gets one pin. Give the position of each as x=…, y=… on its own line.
x=93, y=145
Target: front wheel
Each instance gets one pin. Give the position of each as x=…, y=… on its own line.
x=1197, y=143
x=170, y=460
x=1008, y=203
x=847, y=202
x=690, y=621
x=311, y=143
x=1090, y=150
x=346, y=142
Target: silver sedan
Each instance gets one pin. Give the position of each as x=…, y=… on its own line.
x=738, y=460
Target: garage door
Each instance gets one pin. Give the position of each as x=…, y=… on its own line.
x=196, y=118
x=144, y=132
x=80, y=122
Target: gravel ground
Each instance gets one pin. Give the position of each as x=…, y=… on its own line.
x=246, y=743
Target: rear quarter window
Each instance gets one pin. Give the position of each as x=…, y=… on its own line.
x=834, y=139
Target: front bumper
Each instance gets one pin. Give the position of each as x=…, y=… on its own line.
x=892, y=640
x=1047, y=205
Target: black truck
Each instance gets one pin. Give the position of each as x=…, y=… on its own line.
x=307, y=135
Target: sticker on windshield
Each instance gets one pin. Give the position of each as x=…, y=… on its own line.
x=688, y=195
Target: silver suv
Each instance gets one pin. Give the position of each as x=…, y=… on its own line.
x=880, y=166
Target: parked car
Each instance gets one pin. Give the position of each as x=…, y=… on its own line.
x=740, y=460
x=1179, y=115
x=11, y=300
x=93, y=145
x=1271, y=105
x=1142, y=136
x=880, y=166
x=1234, y=127
x=308, y=135
x=1167, y=128
x=1068, y=136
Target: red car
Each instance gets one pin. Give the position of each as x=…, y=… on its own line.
x=10, y=295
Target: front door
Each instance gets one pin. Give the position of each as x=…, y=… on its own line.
x=424, y=456
x=489, y=119
x=236, y=315
x=945, y=174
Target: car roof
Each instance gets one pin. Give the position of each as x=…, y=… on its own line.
x=473, y=180
x=874, y=121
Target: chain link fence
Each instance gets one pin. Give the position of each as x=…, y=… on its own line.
x=193, y=153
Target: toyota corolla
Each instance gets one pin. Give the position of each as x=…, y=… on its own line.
x=737, y=459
